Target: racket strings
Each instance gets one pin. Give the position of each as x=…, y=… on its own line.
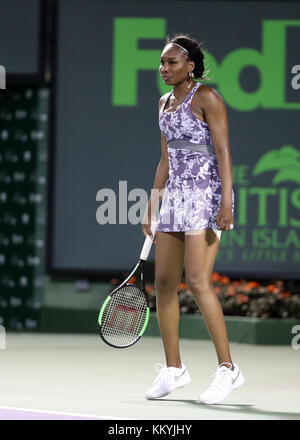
x=124, y=316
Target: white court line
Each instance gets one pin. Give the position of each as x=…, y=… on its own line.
x=66, y=413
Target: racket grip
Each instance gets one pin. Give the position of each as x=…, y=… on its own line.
x=148, y=242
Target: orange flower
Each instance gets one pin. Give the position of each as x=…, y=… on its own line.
x=132, y=279
x=236, y=283
x=272, y=288
x=149, y=288
x=285, y=294
x=241, y=298
x=217, y=290
x=182, y=286
x=215, y=277
x=246, y=288
x=225, y=280
x=231, y=290
x=253, y=284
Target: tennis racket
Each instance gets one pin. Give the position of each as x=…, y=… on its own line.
x=124, y=315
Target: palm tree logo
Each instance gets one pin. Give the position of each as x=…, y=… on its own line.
x=285, y=160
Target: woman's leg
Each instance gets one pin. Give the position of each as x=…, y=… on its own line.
x=200, y=253
x=169, y=257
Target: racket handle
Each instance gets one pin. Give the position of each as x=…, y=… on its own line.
x=148, y=242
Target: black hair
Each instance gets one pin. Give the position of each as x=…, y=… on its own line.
x=194, y=51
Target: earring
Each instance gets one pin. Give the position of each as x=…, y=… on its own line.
x=191, y=75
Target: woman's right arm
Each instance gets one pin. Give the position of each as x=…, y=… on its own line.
x=161, y=176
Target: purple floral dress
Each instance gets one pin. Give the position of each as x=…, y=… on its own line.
x=192, y=194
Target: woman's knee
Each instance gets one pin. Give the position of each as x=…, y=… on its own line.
x=198, y=283
x=164, y=284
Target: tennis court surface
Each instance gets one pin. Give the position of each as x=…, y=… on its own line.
x=64, y=376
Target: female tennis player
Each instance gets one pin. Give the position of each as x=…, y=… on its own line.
x=195, y=176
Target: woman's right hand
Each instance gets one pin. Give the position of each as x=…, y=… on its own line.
x=147, y=231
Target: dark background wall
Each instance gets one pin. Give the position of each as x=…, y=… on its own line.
x=20, y=36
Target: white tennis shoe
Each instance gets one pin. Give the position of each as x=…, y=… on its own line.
x=167, y=380
x=225, y=380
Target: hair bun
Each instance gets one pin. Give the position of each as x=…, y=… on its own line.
x=193, y=49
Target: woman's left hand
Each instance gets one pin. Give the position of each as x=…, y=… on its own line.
x=224, y=217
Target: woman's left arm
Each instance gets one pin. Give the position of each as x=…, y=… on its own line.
x=214, y=110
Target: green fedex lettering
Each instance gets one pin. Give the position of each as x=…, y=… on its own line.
x=128, y=59
x=270, y=63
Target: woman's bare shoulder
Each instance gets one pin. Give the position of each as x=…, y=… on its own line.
x=207, y=93
x=162, y=100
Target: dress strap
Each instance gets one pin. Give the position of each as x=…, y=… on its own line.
x=191, y=94
x=167, y=100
